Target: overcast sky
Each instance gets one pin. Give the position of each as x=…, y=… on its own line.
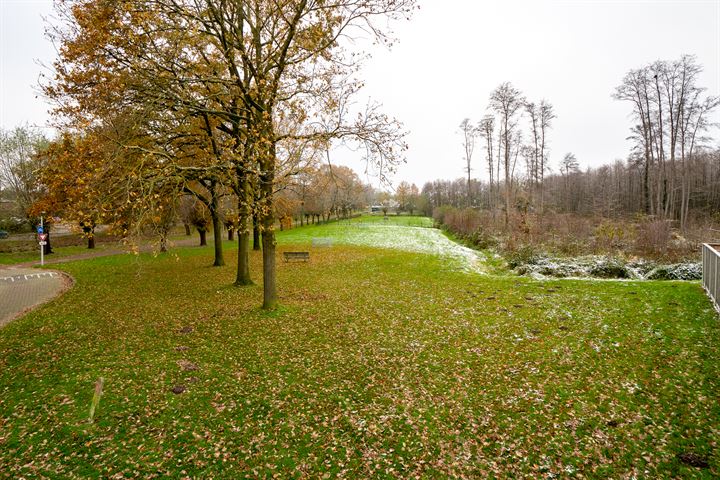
x=449, y=58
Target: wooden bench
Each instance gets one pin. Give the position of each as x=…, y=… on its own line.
x=296, y=256
x=322, y=242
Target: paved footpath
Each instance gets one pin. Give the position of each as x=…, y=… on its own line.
x=21, y=289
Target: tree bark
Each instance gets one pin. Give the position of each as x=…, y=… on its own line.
x=507, y=175
x=267, y=181
x=243, y=263
x=47, y=248
x=243, y=271
x=217, y=241
x=256, y=233
x=203, y=237
x=270, y=297
x=91, y=242
x=231, y=234
x=214, y=208
x=163, y=242
x=187, y=229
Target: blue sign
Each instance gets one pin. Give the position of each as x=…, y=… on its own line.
x=39, y=229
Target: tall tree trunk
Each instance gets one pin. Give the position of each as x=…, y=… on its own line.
x=647, y=197
x=507, y=175
x=243, y=265
x=217, y=241
x=231, y=234
x=267, y=181
x=214, y=208
x=469, y=189
x=498, y=197
x=270, y=297
x=203, y=237
x=47, y=248
x=243, y=271
x=163, y=241
x=542, y=177
x=89, y=232
x=683, y=210
x=256, y=233
x=187, y=229
x=650, y=136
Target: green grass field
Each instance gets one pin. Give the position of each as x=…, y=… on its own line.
x=381, y=363
x=58, y=252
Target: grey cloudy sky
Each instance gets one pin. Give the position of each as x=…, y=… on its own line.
x=449, y=58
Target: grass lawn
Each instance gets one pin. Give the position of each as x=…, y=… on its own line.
x=404, y=233
x=381, y=363
x=58, y=252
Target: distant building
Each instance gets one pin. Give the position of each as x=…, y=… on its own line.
x=391, y=206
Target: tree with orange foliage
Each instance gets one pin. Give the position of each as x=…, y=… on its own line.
x=259, y=73
x=69, y=180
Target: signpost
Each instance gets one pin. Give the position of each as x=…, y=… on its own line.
x=42, y=240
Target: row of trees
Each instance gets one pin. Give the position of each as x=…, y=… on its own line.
x=610, y=190
x=322, y=192
x=504, y=144
x=671, y=170
x=38, y=174
x=672, y=113
x=316, y=194
x=210, y=98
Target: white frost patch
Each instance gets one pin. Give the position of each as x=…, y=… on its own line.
x=414, y=239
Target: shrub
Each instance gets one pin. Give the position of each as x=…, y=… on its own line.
x=678, y=271
x=522, y=255
x=609, y=268
x=553, y=268
x=612, y=235
x=640, y=268
x=463, y=222
x=438, y=214
x=14, y=225
x=653, y=236
x=482, y=239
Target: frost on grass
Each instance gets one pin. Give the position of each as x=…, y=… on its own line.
x=608, y=268
x=412, y=239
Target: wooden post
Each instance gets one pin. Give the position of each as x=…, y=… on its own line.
x=96, y=398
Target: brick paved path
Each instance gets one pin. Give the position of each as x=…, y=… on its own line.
x=24, y=288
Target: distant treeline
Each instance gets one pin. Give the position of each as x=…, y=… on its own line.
x=609, y=191
x=672, y=172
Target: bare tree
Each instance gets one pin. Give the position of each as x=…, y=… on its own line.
x=532, y=154
x=635, y=88
x=546, y=116
x=487, y=127
x=568, y=166
x=19, y=167
x=670, y=110
x=469, y=133
x=507, y=102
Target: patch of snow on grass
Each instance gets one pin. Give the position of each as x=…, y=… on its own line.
x=412, y=239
